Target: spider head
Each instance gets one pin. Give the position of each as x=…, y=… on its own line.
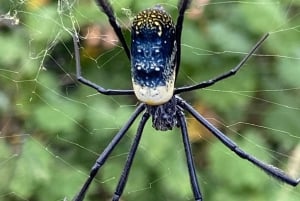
x=153, y=51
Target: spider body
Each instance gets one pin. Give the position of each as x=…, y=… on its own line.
x=164, y=115
x=155, y=60
x=153, y=50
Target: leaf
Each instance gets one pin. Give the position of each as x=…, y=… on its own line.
x=263, y=18
x=31, y=170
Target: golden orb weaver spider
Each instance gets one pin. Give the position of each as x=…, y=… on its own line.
x=155, y=60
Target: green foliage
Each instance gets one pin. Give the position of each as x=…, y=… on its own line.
x=53, y=128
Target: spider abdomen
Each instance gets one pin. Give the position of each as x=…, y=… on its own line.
x=153, y=50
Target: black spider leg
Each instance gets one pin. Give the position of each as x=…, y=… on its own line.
x=123, y=179
x=189, y=157
x=108, y=10
x=225, y=75
x=107, y=151
x=87, y=82
x=182, y=6
x=269, y=169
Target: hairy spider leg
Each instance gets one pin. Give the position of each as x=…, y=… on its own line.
x=107, y=151
x=269, y=169
x=123, y=180
x=225, y=75
x=189, y=157
x=87, y=82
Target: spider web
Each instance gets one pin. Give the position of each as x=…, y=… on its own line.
x=53, y=128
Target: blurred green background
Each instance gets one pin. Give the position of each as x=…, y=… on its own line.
x=53, y=128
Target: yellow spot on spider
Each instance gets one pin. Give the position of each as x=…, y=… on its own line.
x=153, y=19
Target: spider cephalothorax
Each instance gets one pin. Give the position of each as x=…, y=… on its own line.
x=164, y=116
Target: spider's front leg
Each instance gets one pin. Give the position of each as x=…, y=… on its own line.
x=123, y=180
x=269, y=169
x=189, y=157
x=107, y=151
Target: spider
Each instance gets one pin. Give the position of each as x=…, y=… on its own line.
x=155, y=60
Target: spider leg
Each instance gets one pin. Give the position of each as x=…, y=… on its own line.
x=107, y=151
x=85, y=81
x=225, y=75
x=182, y=6
x=189, y=157
x=269, y=169
x=108, y=10
x=123, y=180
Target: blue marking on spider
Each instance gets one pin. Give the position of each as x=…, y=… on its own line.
x=153, y=50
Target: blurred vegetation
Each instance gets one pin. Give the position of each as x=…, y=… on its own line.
x=53, y=128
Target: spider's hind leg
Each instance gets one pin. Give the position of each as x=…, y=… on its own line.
x=109, y=12
x=182, y=6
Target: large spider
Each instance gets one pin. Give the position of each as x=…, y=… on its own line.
x=155, y=60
